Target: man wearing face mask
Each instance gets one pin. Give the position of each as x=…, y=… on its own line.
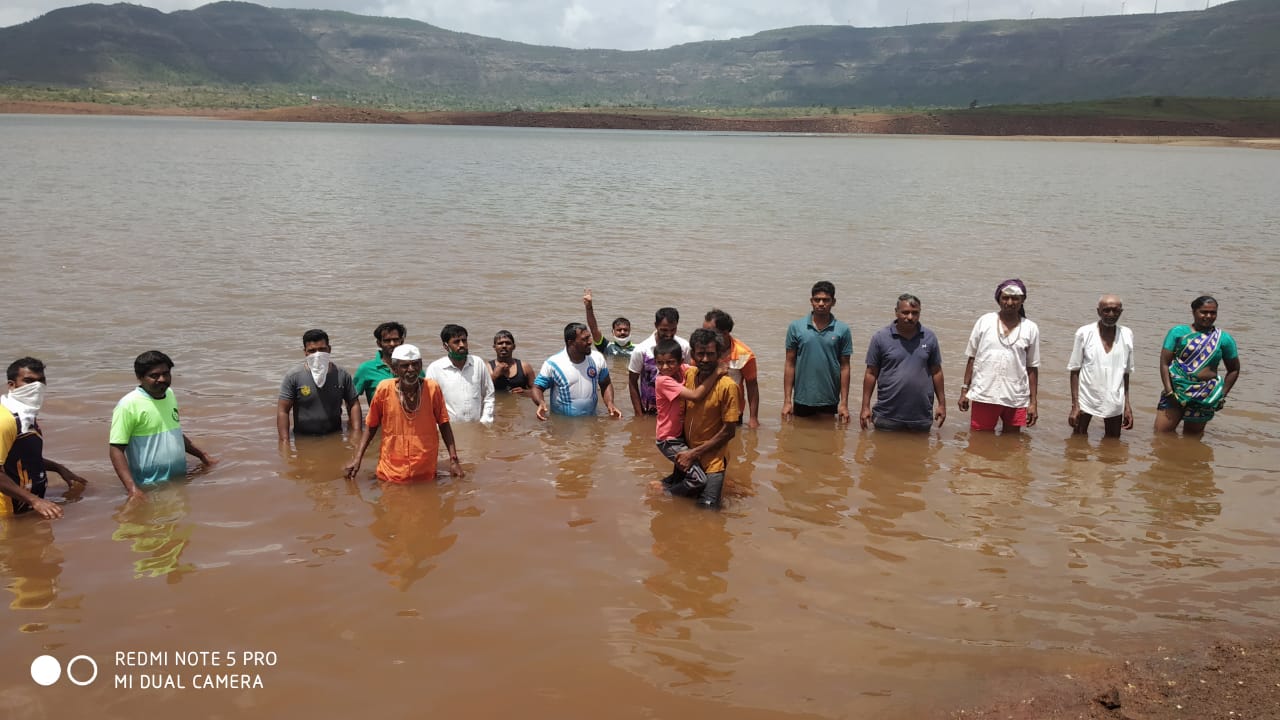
x=22, y=486
x=463, y=378
x=314, y=393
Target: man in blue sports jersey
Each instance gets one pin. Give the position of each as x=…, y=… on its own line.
x=576, y=376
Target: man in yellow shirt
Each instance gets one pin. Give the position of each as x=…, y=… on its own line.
x=709, y=423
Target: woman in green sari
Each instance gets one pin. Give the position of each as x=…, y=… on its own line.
x=1189, y=359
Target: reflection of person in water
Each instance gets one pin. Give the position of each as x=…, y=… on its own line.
x=157, y=533
x=690, y=587
x=893, y=471
x=29, y=556
x=409, y=523
x=813, y=477
x=1179, y=485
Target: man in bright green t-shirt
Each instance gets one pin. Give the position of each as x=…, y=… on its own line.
x=147, y=445
x=390, y=335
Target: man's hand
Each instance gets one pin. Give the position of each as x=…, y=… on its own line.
x=208, y=460
x=1126, y=420
x=1073, y=417
x=614, y=412
x=455, y=468
x=940, y=415
x=842, y=413
x=542, y=411
x=787, y=411
x=136, y=496
x=1032, y=415
x=47, y=510
x=685, y=460
x=753, y=422
x=350, y=469
x=864, y=418
x=963, y=402
x=586, y=297
x=72, y=479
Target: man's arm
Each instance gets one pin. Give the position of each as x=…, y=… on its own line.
x=536, y=395
x=1033, y=379
x=45, y=508
x=633, y=384
x=596, y=335
x=120, y=463
x=366, y=437
x=446, y=434
x=486, y=408
x=963, y=402
x=939, y=394
x=753, y=402
x=1073, y=416
x=868, y=385
x=283, y=409
x=606, y=392
x=846, y=376
x=704, y=386
x=68, y=476
x=1126, y=420
x=788, y=383
x=201, y=455
x=686, y=459
x=355, y=417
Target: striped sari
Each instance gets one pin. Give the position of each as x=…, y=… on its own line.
x=1199, y=398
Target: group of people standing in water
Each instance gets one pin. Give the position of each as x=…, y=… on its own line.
x=699, y=390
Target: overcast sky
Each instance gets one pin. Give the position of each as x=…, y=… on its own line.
x=640, y=24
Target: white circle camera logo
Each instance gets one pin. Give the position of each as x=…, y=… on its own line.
x=46, y=670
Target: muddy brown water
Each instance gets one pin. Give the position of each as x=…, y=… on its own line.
x=850, y=574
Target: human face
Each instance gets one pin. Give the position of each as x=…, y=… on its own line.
x=390, y=340
x=1206, y=316
x=25, y=376
x=667, y=365
x=156, y=380
x=407, y=371
x=457, y=345
x=581, y=345
x=665, y=329
x=822, y=303
x=1011, y=304
x=312, y=348
x=907, y=316
x=622, y=330
x=504, y=347
x=1109, y=310
x=707, y=356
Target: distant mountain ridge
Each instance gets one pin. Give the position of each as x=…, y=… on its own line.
x=1231, y=50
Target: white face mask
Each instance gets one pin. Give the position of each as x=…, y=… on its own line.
x=318, y=364
x=622, y=340
x=31, y=395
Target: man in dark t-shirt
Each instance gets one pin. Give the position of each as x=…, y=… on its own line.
x=314, y=393
x=904, y=368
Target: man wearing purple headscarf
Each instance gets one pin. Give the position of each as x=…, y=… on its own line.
x=1001, y=377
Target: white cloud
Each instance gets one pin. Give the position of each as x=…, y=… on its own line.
x=640, y=24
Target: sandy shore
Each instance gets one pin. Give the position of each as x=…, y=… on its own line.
x=973, y=124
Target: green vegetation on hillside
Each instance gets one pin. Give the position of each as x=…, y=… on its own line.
x=1152, y=108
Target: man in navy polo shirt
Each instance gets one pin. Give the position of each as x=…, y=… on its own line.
x=816, y=378
x=904, y=367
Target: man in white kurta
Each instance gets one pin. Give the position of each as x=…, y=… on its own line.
x=1100, y=364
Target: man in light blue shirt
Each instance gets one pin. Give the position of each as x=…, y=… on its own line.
x=816, y=378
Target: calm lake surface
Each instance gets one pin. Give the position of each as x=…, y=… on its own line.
x=850, y=574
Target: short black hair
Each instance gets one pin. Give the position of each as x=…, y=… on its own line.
x=721, y=319
x=377, y=332
x=703, y=336
x=620, y=320
x=669, y=347
x=451, y=331
x=571, y=331
x=823, y=286
x=148, y=360
x=503, y=334
x=1202, y=301
x=908, y=298
x=313, y=336
x=29, y=363
x=669, y=314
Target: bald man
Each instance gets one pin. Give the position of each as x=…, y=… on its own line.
x=1101, y=362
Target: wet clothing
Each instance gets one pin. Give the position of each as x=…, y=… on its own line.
x=1000, y=361
x=1194, y=351
x=575, y=387
x=642, y=364
x=610, y=348
x=818, y=354
x=509, y=382
x=148, y=429
x=1102, y=373
x=704, y=419
x=318, y=410
x=23, y=456
x=904, y=385
x=410, y=441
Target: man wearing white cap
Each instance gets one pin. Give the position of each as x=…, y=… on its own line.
x=1001, y=378
x=409, y=409
x=1100, y=364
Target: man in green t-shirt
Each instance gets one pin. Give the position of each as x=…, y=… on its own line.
x=390, y=335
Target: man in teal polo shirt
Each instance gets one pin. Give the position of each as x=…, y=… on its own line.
x=816, y=378
x=390, y=335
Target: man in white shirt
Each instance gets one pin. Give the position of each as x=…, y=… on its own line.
x=464, y=380
x=1100, y=364
x=641, y=370
x=1002, y=375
